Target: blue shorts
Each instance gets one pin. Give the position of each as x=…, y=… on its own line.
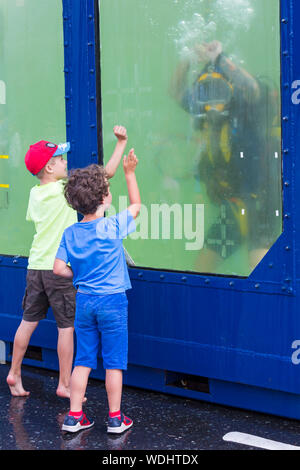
x=105, y=317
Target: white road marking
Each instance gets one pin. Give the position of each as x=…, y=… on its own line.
x=255, y=441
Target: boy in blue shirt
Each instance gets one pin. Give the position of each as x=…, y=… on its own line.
x=94, y=249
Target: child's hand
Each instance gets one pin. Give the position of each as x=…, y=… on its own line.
x=130, y=162
x=120, y=133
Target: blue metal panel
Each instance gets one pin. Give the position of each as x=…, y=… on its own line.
x=80, y=79
x=234, y=336
x=236, y=332
x=293, y=85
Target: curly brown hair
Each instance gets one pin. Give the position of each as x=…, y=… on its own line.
x=86, y=188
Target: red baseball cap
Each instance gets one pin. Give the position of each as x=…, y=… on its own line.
x=40, y=153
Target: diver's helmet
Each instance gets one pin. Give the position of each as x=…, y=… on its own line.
x=211, y=98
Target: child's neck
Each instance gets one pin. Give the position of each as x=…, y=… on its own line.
x=90, y=217
x=48, y=179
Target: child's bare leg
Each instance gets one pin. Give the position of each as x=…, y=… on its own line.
x=113, y=384
x=65, y=350
x=21, y=341
x=79, y=382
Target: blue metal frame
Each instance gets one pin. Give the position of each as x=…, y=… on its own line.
x=80, y=81
x=234, y=336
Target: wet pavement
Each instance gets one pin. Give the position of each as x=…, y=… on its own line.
x=161, y=422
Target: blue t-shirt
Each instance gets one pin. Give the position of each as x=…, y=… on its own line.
x=95, y=251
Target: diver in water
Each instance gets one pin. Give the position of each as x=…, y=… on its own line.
x=237, y=117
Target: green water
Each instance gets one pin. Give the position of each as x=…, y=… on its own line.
x=142, y=43
x=31, y=107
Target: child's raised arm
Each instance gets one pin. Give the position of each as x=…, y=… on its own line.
x=113, y=163
x=129, y=166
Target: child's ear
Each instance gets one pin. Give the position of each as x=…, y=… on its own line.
x=49, y=166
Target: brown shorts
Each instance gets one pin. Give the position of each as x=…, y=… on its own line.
x=45, y=289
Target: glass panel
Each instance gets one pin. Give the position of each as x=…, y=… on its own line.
x=197, y=84
x=31, y=105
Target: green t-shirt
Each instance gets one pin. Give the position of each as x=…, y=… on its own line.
x=49, y=211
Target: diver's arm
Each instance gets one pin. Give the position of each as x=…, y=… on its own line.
x=179, y=81
x=240, y=79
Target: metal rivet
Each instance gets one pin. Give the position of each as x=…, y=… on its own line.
x=271, y=265
x=286, y=183
x=287, y=248
x=207, y=281
x=284, y=20
x=162, y=276
x=231, y=283
x=257, y=286
x=286, y=151
x=140, y=274
x=286, y=216
x=285, y=118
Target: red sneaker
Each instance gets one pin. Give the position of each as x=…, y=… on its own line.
x=72, y=424
x=119, y=424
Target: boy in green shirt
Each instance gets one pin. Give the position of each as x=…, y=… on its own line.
x=51, y=214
